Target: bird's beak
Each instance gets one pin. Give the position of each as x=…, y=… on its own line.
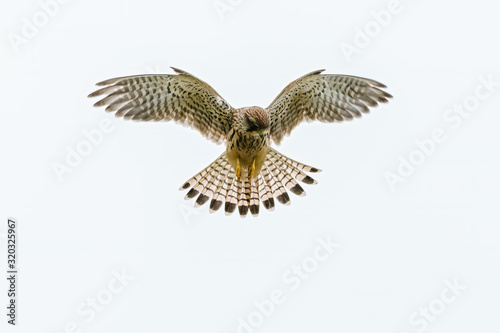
x=261, y=134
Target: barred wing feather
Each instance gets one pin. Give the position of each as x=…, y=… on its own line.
x=182, y=98
x=323, y=97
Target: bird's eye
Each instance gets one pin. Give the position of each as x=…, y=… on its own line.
x=252, y=128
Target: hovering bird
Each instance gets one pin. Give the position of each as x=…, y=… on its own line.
x=249, y=171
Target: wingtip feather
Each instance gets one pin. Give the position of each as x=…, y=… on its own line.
x=178, y=71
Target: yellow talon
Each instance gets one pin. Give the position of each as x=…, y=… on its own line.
x=238, y=169
x=251, y=170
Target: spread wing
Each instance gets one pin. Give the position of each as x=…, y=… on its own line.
x=182, y=98
x=324, y=97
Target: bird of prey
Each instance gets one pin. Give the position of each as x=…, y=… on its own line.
x=249, y=171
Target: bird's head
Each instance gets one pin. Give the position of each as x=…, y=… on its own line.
x=255, y=121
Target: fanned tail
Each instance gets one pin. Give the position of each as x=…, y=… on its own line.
x=218, y=183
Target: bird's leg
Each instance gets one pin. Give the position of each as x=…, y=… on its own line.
x=238, y=168
x=251, y=170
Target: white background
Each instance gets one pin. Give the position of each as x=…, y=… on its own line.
x=120, y=209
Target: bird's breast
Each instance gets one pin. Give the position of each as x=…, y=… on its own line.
x=246, y=148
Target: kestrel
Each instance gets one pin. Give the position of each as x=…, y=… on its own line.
x=249, y=171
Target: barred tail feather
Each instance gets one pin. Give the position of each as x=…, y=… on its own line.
x=243, y=197
x=218, y=182
x=231, y=200
x=220, y=192
x=211, y=183
x=292, y=163
x=276, y=184
x=268, y=194
x=255, y=197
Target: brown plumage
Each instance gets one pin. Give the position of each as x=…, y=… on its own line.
x=249, y=171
